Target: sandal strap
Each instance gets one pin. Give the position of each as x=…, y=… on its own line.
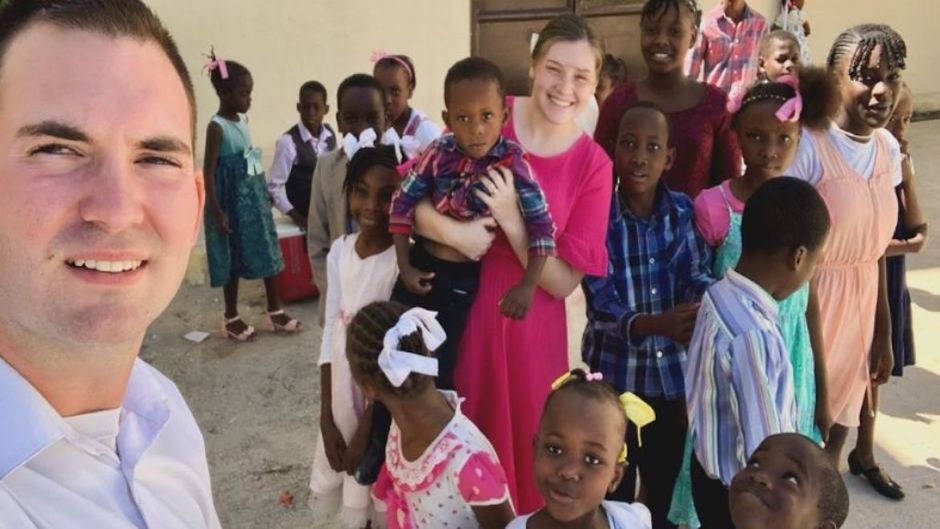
x=277, y=312
x=233, y=319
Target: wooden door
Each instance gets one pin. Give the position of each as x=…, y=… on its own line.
x=502, y=32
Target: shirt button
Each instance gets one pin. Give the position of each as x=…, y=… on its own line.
x=659, y=354
x=652, y=260
x=653, y=291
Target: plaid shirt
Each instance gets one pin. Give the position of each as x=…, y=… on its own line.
x=726, y=52
x=654, y=265
x=449, y=177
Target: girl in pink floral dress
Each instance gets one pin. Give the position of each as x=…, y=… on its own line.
x=440, y=471
x=505, y=367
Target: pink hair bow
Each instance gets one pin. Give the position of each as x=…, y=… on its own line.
x=378, y=55
x=793, y=107
x=216, y=62
x=594, y=377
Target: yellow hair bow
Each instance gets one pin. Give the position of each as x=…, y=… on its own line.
x=639, y=413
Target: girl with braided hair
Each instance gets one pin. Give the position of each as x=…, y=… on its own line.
x=855, y=165
x=440, y=470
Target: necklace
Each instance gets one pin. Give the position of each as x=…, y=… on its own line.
x=861, y=138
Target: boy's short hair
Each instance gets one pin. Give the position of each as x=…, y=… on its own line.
x=312, y=87
x=783, y=214
x=833, y=496
x=473, y=69
x=358, y=80
x=648, y=105
x=777, y=35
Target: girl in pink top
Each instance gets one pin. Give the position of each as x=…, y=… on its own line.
x=855, y=165
x=505, y=367
x=706, y=146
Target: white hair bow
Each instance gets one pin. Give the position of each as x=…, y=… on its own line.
x=397, y=364
x=352, y=144
x=409, y=145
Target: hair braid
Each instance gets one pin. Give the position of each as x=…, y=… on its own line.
x=865, y=38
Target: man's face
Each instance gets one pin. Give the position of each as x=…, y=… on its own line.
x=99, y=198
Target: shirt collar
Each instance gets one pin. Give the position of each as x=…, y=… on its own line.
x=38, y=425
x=754, y=292
x=719, y=13
x=448, y=143
x=663, y=204
x=306, y=136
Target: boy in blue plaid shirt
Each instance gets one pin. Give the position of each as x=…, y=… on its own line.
x=642, y=314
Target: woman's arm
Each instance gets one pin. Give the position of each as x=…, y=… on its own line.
x=558, y=278
x=823, y=417
x=472, y=238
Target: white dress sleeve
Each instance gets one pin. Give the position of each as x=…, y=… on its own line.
x=894, y=148
x=806, y=165
x=333, y=295
x=427, y=132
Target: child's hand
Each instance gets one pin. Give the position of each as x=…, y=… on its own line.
x=221, y=222
x=806, y=30
x=356, y=450
x=823, y=418
x=515, y=303
x=333, y=443
x=882, y=358
x=416, y=281
x=298, y=219
x=680, y=322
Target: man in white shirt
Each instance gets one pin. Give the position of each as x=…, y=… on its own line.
x=100, y=206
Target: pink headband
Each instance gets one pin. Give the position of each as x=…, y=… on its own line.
x=217, y=62
x=382, y=55
x=790, y=110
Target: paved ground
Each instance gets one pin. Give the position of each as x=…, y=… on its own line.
x=257, y=403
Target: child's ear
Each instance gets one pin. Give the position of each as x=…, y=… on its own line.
x=505, y=115
x=446, y=119
x=797, y=257
x=829, y=524
x=760, y=64
x=299, y=109
x=670, y=158
x=340, y=125
x=326, y=109
x=619, y=470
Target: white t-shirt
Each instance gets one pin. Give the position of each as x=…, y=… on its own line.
x=620, y=515
x=140, y=466
x=859, y=156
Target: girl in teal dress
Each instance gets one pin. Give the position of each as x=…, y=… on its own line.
x=768, y=118
x=240, y=238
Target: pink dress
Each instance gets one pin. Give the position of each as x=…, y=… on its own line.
x=863, y=214
x=505, y=367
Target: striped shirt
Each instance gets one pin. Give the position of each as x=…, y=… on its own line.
x=450, y=177
x=739, y=378
x=726, y=51
x=653, y=265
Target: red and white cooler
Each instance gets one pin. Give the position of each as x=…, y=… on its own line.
x=295, y=282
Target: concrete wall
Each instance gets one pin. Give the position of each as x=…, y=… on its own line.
x=911, y=19
x=287, y=42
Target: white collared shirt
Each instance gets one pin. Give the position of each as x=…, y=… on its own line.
x=285, y=156
x=57, y=472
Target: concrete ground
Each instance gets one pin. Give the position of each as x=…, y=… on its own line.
x=258, y=404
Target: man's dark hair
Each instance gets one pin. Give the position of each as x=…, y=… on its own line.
x=473, y=69
x=783, y=214
x=112, y=18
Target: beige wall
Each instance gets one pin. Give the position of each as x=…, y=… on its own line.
x=287, y=42
x=910, y=18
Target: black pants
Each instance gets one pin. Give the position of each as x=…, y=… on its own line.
x=453, y=290
x=711, y=499
x=658, y=460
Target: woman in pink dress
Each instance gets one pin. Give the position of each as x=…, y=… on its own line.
x=505, y=367
x=855, y=166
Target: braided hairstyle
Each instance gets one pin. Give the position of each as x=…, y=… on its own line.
x=391, y=61
x=596, y=390
x=614, y=69
x=235, y=72
x=658, y=8
x=364, y=342
x=865, y=38
x=365, y=159
x=819, y=90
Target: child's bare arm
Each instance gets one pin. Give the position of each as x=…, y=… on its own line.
x=516, y=302
x=414, y=280
x=359, y=442
x=333, y=443
x=494, y=516
x=209, y=164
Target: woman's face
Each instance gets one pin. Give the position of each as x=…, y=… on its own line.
x=665, y=39
x=564, y=79
x=869, y=98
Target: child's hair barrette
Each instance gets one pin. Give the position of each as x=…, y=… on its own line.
x=216, y=62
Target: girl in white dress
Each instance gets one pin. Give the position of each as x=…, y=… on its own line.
x=361, y=268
